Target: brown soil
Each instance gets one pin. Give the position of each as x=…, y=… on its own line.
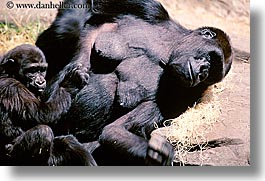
x=235, y=98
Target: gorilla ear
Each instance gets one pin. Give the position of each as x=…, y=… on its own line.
x=7, y=61
x=5, y=64
x=207, y=33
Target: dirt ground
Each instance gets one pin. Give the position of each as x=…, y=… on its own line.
x=232, y=17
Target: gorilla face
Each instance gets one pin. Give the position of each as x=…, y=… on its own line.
x=190, y=70
x=27, y=64
x=34, y=76
x=203, y=56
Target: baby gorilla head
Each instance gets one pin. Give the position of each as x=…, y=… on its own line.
x=27, y=64
x=205, y=56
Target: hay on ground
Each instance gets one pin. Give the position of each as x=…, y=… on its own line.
x=190, y=129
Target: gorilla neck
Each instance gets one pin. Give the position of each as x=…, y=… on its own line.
x=173, y=99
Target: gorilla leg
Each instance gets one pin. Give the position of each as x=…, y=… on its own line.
x=32, y=147
x=67, y=151
x=128, y=137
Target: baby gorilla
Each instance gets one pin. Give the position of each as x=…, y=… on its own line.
x=28, y=65
x=24, y=138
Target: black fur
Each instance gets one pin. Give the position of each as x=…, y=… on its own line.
x=91, y=109
x=150, y=11
x=162, y=68
x=60, y=41
x=23, y=140
x=67, y=151
x=32, y=147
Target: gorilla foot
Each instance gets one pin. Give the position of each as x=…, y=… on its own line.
x=159, y=152
x=32, y=147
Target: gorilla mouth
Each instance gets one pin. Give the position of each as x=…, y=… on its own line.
x=41, y=89
x=36, y=89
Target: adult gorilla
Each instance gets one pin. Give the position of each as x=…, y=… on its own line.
x=157, y=68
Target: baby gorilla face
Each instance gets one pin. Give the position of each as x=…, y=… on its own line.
x=34, y=76
x=27, y=64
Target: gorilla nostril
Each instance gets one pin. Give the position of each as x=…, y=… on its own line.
x=40, y=83
x=205, y=67
x=203, y=75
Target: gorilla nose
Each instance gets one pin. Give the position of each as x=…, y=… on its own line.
x=199, y=70
x=204, y=71
x=40, y=83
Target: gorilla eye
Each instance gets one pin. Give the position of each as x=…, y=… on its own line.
x=30, y=75
x=42, y=69
x=201, y=59
x=206, y=33
x=30, y=70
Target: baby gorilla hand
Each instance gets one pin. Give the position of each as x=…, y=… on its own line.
x=80, y=75
x=76, y=76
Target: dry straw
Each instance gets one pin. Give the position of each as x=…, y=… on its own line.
x=189, y=130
